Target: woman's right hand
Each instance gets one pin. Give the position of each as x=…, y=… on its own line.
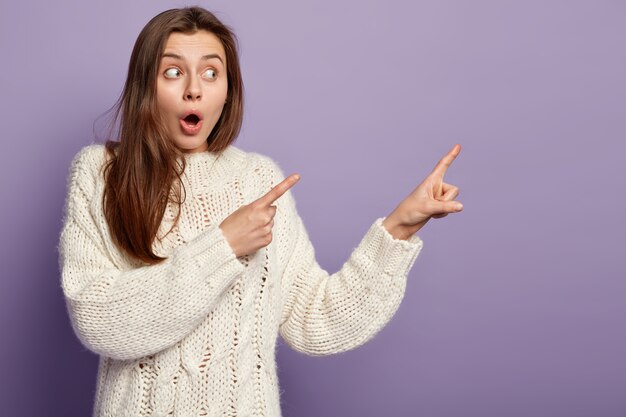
x=249, y=228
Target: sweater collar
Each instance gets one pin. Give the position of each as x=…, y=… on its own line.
x=222, y=163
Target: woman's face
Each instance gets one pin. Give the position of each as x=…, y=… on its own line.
x=192, y=79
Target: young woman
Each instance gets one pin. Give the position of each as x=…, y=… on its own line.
x=183, y=257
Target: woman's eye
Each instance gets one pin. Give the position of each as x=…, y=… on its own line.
x=211, y=73
x=171, y=72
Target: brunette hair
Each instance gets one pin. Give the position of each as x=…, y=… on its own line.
x=143, y=172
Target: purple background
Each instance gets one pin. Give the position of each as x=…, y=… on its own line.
x=515, y=306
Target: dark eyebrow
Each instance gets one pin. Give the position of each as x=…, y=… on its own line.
x=204, y=58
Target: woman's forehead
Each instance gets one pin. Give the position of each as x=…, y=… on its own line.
x=194, y=45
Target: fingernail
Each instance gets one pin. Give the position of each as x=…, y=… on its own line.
x=459, y=206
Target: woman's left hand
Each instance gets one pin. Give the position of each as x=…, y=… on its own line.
x=432, y=198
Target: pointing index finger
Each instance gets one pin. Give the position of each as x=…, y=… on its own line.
x=446, y=161
x=278, y=190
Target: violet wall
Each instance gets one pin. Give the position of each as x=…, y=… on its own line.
x=515, y=307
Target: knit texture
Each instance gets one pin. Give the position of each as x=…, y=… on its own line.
x=196, y=334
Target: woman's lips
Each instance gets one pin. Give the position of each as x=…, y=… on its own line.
x=190, y=129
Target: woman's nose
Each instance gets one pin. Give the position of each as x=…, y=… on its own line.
x=192, y=92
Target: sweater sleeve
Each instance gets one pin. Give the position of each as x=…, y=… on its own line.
x=324, y=314
x=128, y=314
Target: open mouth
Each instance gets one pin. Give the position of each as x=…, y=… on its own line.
x=192, y=120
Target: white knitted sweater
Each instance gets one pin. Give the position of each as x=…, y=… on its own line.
x=196, y=335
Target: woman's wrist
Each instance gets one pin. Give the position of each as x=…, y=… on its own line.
x=398, y=230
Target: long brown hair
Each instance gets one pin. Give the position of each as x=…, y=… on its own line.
x=143, y=172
